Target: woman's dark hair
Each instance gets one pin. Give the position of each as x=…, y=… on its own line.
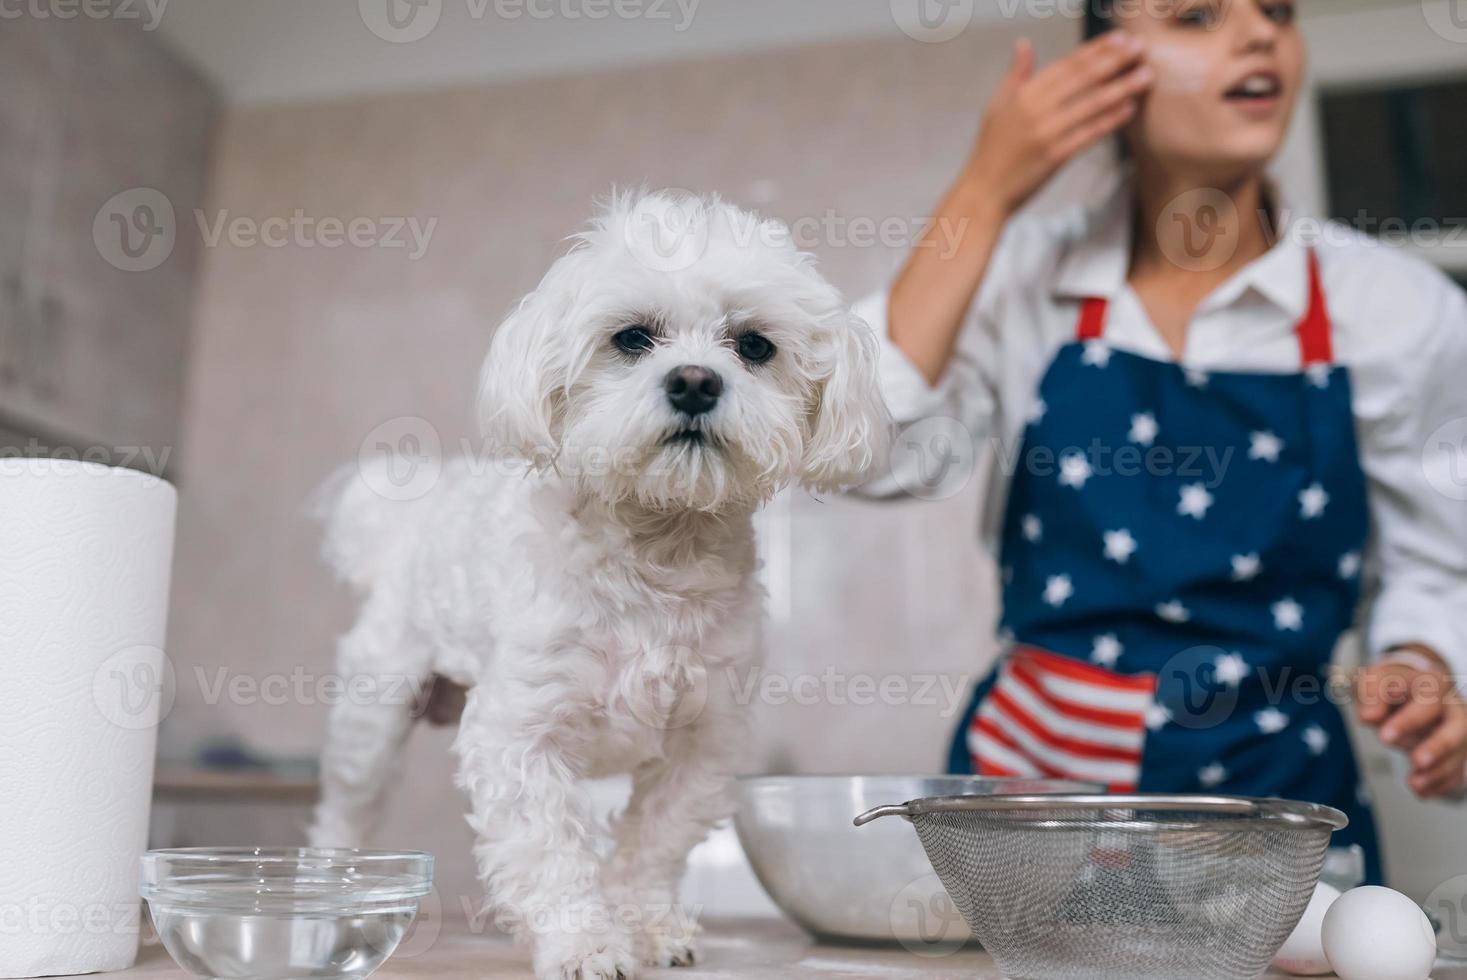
x=1099, y=19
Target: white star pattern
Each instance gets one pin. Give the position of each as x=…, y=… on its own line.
x=1212, y=776
x=1288, y=615
x=1318, y=375
x=1271, y=721
x=1074, y=470
x=1033, y=528
x=1317, y=739
x=1265, y=446
x=1036, y=412
x=1196, y=378
x=1173, y=611
x=1230, y=669
x=1246, y=567
x=1349, y=564
x=1144, y=428
x=1158, y=716
x=1058, y=588
x=1107, y=650
x=1120, y=546
x=1312, y=501
x=1097, y=354
x=1195, y=501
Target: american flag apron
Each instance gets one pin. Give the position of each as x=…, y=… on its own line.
x=1161, y=617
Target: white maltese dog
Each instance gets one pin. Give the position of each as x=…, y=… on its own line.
x=672, y=372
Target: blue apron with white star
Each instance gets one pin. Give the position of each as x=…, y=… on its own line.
x=1180, y=554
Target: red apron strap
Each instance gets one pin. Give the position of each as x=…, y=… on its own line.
x=1315, y=346
x=1092, y=318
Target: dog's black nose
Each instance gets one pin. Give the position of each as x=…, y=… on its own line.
x=693, y=390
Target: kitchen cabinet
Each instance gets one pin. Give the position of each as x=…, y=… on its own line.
x=92, y=352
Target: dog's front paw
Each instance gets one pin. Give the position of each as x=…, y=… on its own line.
x=585, y=956
x=659, y=949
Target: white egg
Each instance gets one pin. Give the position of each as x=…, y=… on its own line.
x=1303, y=952
x=1377, y=934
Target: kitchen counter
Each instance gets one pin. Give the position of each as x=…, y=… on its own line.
x=750, y=949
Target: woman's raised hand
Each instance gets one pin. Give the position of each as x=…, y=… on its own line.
x=1035, y=123
x=1039, y=121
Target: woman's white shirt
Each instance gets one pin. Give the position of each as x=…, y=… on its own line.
x=1400, y=326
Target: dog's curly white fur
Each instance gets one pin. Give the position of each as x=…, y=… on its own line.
x=596, y=600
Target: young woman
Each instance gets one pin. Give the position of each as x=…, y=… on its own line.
x=1222, y=417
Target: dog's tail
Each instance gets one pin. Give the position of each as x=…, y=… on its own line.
x=364, y=528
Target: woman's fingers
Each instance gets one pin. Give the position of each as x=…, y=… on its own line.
x=1380, y=690
x=1408, y=726
x=1421, y=712
x=1086, y=135
x=1449, y=737
x=1100, y=101
x=1021, y=68
x=1090, y=67
x=1447, y=776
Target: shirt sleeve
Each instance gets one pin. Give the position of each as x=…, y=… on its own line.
x=966, y=394
x=1416, y=462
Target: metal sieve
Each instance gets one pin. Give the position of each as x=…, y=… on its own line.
x=1125, y=887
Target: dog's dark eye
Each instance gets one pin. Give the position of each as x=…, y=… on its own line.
x=755, y=348
x=633, y=340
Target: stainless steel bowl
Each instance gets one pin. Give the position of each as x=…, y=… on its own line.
x=844, y=884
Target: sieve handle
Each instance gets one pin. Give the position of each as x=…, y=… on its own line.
x=884, y=811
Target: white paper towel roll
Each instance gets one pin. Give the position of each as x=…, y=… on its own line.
x=85, y=555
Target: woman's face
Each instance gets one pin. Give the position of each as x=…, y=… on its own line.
x=1228, y=75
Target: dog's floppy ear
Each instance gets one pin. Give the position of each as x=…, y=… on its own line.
x=850, y=428
x=521, y=386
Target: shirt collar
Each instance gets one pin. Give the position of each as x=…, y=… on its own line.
x=1097, y=260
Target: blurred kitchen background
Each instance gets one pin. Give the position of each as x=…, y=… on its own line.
x=172, y=175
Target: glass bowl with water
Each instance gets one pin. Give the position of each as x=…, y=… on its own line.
x=278, y=913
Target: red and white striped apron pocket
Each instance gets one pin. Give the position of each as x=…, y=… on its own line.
x=1053, y=717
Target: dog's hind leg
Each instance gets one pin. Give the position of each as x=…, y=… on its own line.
x=382, y=671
